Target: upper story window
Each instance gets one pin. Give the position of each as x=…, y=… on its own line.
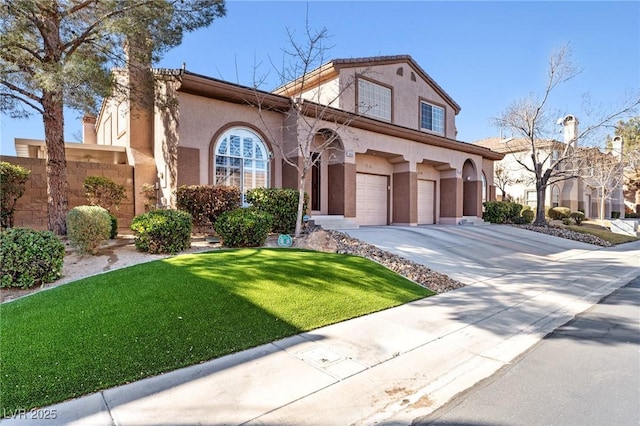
x=431, y=118
x=241, y=160
x=374, y=100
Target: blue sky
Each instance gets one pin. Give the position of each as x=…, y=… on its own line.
x=483, y=54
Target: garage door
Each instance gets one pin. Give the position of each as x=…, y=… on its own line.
x=426, y=202
x=371, y=199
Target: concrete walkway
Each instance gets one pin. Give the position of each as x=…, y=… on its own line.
x=392, y=366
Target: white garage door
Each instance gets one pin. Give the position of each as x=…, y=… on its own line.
x=371, y=199
x=426, y=202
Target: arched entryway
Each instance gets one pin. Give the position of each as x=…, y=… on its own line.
x=327, y=186
x=471, y=190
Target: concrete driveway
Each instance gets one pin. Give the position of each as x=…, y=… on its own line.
x=472, y=254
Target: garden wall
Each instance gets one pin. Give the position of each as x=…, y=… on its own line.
x=31, y=208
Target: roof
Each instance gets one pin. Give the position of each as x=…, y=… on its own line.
x=200, y=85
x=331, y=68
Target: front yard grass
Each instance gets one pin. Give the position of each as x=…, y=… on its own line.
x=602, y=232
x=140, y=321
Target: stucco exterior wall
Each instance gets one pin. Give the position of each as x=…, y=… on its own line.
x=203, y=120
x=407, y=90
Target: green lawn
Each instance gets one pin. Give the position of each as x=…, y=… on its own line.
x=154, y=317
x=602, y=232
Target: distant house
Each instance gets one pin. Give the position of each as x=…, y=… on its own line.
x=397, y=162
x=582, y=193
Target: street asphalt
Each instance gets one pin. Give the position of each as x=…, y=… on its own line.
x=393, y=366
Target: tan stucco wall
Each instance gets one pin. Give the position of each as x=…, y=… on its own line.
x=406, y=94
x=202, y=120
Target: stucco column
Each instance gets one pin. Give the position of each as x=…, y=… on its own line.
x=405, y=198
x=472, y=201
x=450, y=199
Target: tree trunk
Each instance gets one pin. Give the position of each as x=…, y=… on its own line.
x=603, y=199
x=300, y=206
x=57, y=184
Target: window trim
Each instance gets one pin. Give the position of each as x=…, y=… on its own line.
x=377, y=83
x=422, y=100
x=228, y=130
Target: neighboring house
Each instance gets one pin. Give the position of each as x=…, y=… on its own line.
x=396, y=162
x=584, y=193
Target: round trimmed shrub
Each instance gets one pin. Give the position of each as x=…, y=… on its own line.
x=577, y=217
x=29, y=257
x=281, y=203
x=245, y=227
x=528, y=216
x=559, y=213
x=162, y=231
x=88, y=227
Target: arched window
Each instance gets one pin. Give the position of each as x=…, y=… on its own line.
x=241, y=160
x=555, y=196
x=484, y=187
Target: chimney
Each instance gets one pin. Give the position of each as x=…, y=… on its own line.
x=89, y=136
x=616, y=147
x=570, y=124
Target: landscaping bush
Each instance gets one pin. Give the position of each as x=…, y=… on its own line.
x=501, y=212
x=615, y=215
x=88, y=227
x=528, y=216
x=162, y=231
x=206, y=202
x=577, y=217
x=148, y=192
x=29, y=257
x=13, y=181
x=104, y=192
x=281, y=203
x=558, y=213
x=244, y=227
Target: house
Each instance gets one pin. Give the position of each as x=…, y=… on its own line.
x=587, y=189
x=394, y=158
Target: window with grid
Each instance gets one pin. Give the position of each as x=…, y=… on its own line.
x=241, y=160
x=374, y=100
x=531, y=199
x=555, y=196
x=431, y=118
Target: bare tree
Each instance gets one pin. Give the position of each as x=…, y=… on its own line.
x=503, y=177
x=311, y=122
x=531, y=119
x=604, y=173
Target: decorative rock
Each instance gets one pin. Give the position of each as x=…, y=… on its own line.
x=558, y=231
x=344, y=244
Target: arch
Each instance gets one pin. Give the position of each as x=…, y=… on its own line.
x=240, y=157
x=483, y=178
x=471, y=190
x=328, y=173
x=555, y=196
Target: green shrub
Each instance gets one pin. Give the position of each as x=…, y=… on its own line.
x=281, y=203
x=528, y=216
x=558, y=213
x=566, y=221
x=114, y=227
x=615, y=215
x=244, y=227
x=29, y=257
x=578, y=217
x=148, y=193
x=13, y=181
x=102, y=191
x=88, y=227
x=206, y=202
x=501, y=212
x=162, y=231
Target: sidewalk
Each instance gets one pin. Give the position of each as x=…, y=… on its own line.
x=400, y=363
